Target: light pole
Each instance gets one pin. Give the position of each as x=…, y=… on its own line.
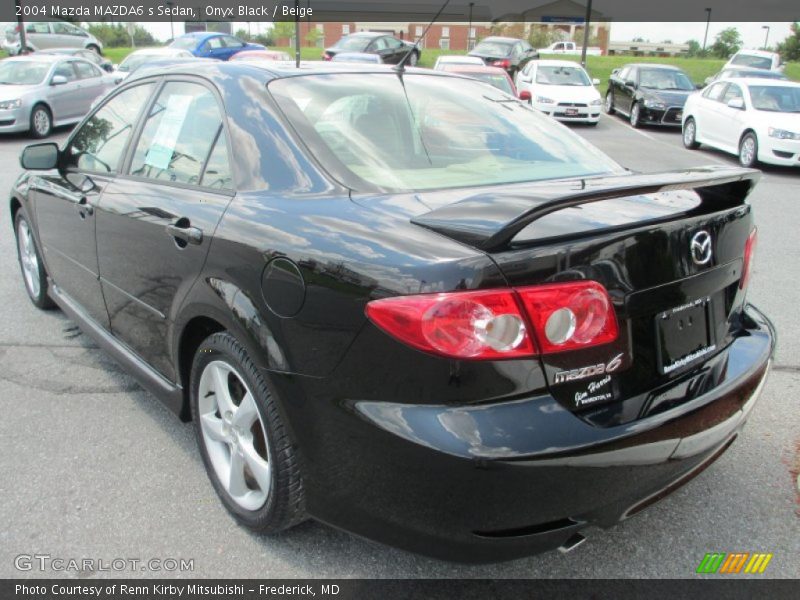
x=708, y=22
x=586, y=22
x=469, y=30
x=766, y=37
x=170, y=4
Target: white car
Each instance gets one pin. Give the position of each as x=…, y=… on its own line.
x=455, y=59
x=561, y=89
x=756, y=59
x=138, y=58
x=757, y=119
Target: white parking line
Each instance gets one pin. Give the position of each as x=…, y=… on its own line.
x=614, y=119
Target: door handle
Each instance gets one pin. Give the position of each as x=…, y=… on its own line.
x=84, y=208
x=185, y=233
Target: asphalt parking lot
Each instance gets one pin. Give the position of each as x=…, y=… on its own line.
x=91, y=466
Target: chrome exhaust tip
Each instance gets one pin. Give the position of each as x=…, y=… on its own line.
x=572, y=543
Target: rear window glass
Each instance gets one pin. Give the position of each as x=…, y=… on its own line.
x=749, y=60
x=426, y=132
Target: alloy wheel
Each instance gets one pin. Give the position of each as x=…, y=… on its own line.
x=609, y=106
x=41, y=122
x=234, y=435
x=635, y=115
x=28, y=258
x=747, y=151
x=688, y=133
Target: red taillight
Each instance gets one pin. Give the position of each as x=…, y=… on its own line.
x=326, y=56
x=498, y=324
x=749, y=250
x=503, y=64
x=569, y=316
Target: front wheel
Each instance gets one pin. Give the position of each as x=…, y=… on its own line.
x=636, y=115
x=41, y=121
x=413, y=59
x=30, y=262
x=95, y=49
x=246, y=449
x=690, y=134
x=748, y=150
x=608, y=106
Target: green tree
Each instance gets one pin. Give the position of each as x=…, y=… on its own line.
x=243, y=35
x=693, y=49
x=541, y=36
x=789, y=48
x=727, y=42
x=313, y=36
x=282, y=30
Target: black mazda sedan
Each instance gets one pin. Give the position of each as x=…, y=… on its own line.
x=648, y=94
x=401, y=303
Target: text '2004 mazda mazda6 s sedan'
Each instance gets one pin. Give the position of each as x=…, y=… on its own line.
x=400, y=301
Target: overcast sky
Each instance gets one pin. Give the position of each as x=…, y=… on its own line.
x=752, y=33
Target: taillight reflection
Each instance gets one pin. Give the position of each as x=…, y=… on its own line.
x=749, y=250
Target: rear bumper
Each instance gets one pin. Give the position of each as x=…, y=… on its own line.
x=484, y=483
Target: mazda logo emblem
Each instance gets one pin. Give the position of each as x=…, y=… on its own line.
x=700, y=248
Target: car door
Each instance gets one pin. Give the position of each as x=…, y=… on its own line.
x=397, y=49
x=38, y=35
x=66, y=200
x=728, y=119
x=155, y=224
x=707, y=115
x=65, y=98
x=92, y=83
x=214, y=47
x=626, y=91
x=380, y=47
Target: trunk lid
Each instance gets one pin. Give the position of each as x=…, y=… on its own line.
x=669, y=249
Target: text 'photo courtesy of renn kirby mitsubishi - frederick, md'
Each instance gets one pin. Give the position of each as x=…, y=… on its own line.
x=426, y=299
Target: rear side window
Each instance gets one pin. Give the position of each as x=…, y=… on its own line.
x=66, y=70
x=182, y=140
x=99, y=144
x=86, y=71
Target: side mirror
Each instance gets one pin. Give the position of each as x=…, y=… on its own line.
x=40, y=157
x=58, y=80
x=737, y=103
x=595, y=81
x=525, y=95
x=615, y=71
x=699, y=86
x=630, y=83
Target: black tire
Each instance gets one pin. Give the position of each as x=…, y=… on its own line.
x=636, y=117
x=41, y=124
x=284, y=506
x=608, y=105
x=689, y=134
x=746, y=157
x=413, y=59
x=593, y=124
x=38, y=295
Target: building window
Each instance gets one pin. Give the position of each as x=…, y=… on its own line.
x=444, y=43
x=419, y=30
x=345, y=29
x=445, y=32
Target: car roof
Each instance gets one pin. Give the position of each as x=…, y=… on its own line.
x=165, y=50
x=556, y=63
x=761, y=81
x=201, y=35
x=367, y=34
x=499, y=38
x=40, y=57
x=467, y=68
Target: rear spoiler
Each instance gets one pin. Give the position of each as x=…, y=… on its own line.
x=490, y=220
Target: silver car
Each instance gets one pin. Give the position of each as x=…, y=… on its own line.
x=56, y=34
x=42, y=91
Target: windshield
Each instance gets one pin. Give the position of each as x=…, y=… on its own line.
x=562, y=76
x=664, y=79
x=776, y=98
x=353, y=42
x=749, y=60
x=184, y=43
x=23, y=72
x=493, y=48
x=424, y=132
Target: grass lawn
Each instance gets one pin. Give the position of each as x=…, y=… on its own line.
x=598, y=66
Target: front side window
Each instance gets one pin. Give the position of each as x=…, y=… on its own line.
x=178, y=137
x=715, y=91
x=99, y=144
x=733, y=92
x=426, y=132
x=66, y=70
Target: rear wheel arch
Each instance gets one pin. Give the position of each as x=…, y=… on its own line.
x=192, y=335
x=14, y=206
